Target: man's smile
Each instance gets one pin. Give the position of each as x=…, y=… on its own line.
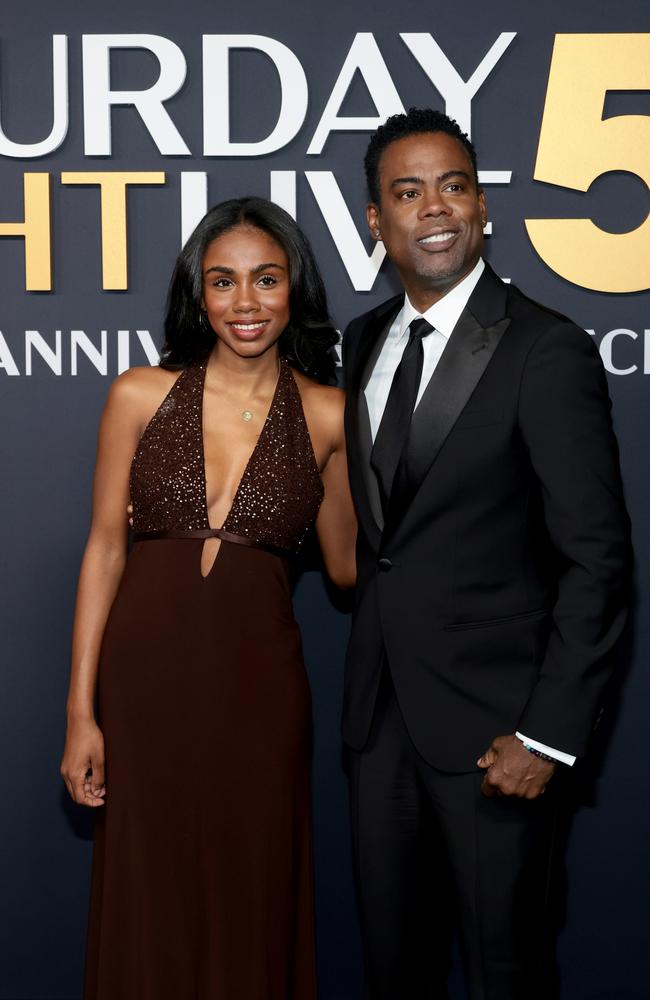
x=437, y=239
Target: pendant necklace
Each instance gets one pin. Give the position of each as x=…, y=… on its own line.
x=247, y=415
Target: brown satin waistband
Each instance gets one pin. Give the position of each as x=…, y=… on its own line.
x=225, y=536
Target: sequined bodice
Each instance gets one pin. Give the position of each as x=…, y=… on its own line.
x=280, y=491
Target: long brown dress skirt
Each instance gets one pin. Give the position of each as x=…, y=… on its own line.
x=202, y=879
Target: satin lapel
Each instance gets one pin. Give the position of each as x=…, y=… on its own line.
x=469, y=351
x=369, y=478
x=370, y=340
x=363, y=481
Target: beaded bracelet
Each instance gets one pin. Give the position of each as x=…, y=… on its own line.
x=538, y=753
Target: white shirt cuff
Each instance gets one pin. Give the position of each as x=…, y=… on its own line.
x=564, y=758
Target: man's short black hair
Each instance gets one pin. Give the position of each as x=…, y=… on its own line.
x=417, y=121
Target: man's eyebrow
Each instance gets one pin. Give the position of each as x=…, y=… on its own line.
x=221, y=269
x=441, y=177
x=406, y=180
x=454, y=173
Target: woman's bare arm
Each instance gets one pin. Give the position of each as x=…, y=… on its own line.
x=131, y=401
x=336, y=524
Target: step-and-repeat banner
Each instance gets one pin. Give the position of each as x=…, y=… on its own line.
x=119, y=125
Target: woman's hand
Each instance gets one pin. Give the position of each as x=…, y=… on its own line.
x=82, y=767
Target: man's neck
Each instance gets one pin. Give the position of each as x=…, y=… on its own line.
x=423, y=299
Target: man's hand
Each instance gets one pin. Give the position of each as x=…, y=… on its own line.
x=512, y=770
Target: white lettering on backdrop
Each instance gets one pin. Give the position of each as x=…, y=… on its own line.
x=60, y=109
x=75, y=352
x=364, y=56
x=98, y=98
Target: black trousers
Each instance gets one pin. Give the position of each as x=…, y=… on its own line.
x=433, y=856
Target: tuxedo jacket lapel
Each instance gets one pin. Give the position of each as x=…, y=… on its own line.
x=467, y=354
x=359, y=434
x=365, y=430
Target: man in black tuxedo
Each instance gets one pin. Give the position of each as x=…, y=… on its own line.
x=493, y=564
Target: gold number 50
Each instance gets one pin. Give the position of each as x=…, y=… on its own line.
x=576, y=146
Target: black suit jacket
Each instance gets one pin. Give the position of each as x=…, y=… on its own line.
x=496, y=583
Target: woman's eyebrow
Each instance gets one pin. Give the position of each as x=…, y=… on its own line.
x=222, y=269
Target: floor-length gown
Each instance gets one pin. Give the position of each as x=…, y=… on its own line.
x=202, y=879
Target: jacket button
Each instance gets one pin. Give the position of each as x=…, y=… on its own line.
x=385, y=565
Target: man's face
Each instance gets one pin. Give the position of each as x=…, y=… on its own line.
x=431, y=216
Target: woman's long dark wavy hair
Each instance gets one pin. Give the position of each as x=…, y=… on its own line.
x=307, y=342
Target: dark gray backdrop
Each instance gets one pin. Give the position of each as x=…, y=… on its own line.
x=49, y=423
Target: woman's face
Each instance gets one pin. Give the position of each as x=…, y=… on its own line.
x=246, y=290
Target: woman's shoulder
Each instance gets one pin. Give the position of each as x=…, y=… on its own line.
x=327, y=398
x=141, y=384
x=138, y=392
x=324, y=407
x=146, y=378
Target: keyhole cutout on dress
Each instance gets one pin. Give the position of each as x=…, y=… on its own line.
x=209, y=554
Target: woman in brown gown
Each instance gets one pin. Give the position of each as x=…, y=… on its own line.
x=200, y=752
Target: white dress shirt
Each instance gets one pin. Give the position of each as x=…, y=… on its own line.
x=443, y=316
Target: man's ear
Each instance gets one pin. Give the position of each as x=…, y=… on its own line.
x=483, y=206
x=373, y=217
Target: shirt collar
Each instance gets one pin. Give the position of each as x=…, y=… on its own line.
x=445, y=313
